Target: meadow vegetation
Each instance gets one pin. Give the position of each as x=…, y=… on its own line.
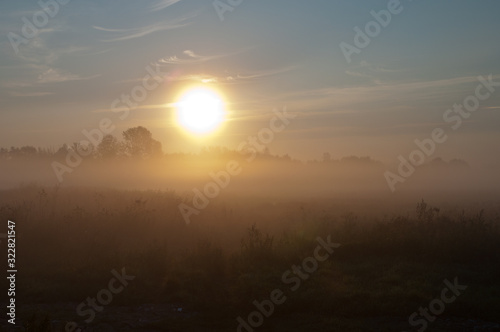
x=389, y=264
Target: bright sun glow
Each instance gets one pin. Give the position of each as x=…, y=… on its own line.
x=200, y=111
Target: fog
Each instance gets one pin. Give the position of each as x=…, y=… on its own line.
x=264, y=175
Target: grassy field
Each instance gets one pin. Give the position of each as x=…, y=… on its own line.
x=203, y=276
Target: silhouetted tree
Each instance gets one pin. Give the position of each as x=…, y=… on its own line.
x=109, y=147
x=62, y=152
x=85, y=150
x=139, y=143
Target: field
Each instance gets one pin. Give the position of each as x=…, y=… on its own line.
x=382, y=268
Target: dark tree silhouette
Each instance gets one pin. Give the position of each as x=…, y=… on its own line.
x=109, y=147
x=139, y=143
x=62, y=152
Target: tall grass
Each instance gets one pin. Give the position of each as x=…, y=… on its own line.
x=69, y=239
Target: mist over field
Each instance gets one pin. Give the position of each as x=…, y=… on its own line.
x=262, y=172
x=197, y=233
x=237, y=165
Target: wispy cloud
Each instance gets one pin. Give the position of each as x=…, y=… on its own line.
x=46, y=75
x=139, y=107
x=262, y=73
x=126, y=34
x=42, y=49
x=39, y=65
x=53, y=75
x=231, y=78
x=162, y=4
x=29, y=94
x=386, y=90
x=189, y=57
x=388, y=98
x=372, y=73
x=201, y=78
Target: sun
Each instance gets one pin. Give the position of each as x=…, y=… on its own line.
x=200, y=111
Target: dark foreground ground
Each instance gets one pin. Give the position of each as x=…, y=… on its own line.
x=203, y=276
x=162, y=317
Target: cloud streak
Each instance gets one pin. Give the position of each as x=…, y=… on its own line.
x=132, y=33
x=29, y=94
x=53, y=75
x=160, y=5
x=189, y=57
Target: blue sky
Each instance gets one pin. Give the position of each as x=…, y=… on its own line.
x=263, y=55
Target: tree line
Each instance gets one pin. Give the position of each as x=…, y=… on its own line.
x=137, y=142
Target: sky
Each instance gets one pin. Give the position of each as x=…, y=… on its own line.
x=260, y=56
